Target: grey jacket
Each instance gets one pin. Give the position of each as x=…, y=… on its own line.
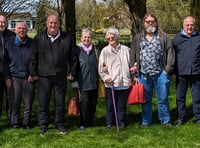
x=166, y=45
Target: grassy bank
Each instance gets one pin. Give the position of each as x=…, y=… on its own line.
x=155, y=136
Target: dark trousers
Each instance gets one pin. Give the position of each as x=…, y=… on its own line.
x=45, y=87
x=120, y=101
x=8, y=102
x=88, y=107
x=182, y=83
x=21, y=88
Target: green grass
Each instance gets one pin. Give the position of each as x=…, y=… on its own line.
x=155, y=136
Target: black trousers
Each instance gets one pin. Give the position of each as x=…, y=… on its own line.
x=88, y=107
x=182, y=84
x=46, y=85
x=120, y=102
x=8, y=102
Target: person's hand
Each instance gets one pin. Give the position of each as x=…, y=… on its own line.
x=8, y=83
x=70, y=77
x=104, y=68
x=31, y=79
x=134, y=68
x=109, y=80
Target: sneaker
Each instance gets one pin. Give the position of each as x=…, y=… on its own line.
x=43, y=131
x=81, y=128
x=108, y=126
x=62, y=130
x=179, y=122
x=168, y=124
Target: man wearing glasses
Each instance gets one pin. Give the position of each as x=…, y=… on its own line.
x=152, y=58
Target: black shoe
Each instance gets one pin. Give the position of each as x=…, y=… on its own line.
x=28, y=127
x=15, y=126
x=197, y=121
x=62, y=130
x=179, y=122
x=43, y=131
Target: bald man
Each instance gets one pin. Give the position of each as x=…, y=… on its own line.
x=50, y=57
x=187, y=47
x=16, y=57
x=5, y=34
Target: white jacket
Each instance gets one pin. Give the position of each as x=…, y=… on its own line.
x=117, y=64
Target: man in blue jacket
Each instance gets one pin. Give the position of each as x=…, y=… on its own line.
x=187, y=47
x=16, y=73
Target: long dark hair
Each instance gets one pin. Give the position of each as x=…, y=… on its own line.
x=151, y=15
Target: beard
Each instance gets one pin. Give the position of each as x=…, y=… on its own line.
x=150, y=29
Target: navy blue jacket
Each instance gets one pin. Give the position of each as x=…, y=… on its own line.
x=187, y=50
x=16, y=58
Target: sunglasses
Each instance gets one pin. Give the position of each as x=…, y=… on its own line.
x=150, y=22
x=110, y=38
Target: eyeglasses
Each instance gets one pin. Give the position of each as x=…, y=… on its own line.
x=110, y=38
x=150, y=22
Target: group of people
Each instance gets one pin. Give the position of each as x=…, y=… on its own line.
x=51, y=58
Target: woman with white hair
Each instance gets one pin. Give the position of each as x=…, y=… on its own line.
x=114, y=67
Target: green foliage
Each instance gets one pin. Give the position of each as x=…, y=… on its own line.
x=155, y=136
x=41, y=16
x=170, y=13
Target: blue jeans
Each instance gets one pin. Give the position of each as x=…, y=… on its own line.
x=161, y=83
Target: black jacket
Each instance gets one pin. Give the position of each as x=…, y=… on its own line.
x=87, y=69
x=51, y=58
x=4, y=37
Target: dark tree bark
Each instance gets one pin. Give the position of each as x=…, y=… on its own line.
x=195, y=11
x=70, y=21
x=138, y=9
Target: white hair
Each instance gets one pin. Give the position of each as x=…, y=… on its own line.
x=113, y=31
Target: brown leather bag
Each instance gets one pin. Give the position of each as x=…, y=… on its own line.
x=73, y=106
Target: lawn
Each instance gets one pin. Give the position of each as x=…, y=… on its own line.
x=155, y=136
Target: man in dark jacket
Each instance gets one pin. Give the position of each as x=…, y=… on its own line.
x=187, y=48
x=16, y=74
x=51, y=54
x=5, y=34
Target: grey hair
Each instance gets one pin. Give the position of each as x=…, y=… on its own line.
x=113, y=31
x=86, y=30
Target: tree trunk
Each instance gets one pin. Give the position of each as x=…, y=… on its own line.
x=195, y=11
x=70, y=21
x=138, y=9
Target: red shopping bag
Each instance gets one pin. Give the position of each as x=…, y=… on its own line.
x=136, y=94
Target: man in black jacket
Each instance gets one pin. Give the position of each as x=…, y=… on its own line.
x=51, y=53
x=5, y=34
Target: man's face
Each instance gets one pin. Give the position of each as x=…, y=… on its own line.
x=150, y=25
x=53, y=25
x=188, y=25
x=3, y=24
x=21, y=30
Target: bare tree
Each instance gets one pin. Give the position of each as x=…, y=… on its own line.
x=7, y=7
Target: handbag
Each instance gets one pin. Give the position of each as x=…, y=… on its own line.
x=73, y=107
x=101, y=89
x=136, y=94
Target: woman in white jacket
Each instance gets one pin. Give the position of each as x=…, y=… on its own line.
x=114, y=67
